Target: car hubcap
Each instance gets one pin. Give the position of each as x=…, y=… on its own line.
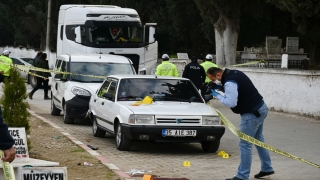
x=94, y=127
x=119, y=135
x=64, y=112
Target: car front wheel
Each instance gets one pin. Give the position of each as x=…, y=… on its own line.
x=66, y=118
x=210, y=146
x=122, y=143
x=97, y=132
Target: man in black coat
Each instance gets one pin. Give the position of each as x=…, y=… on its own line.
x=6, y=142
x=195, y=72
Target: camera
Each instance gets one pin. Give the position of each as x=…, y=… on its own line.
x=210, y=85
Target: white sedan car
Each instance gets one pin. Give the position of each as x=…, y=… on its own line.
x=23, y=61
x=177, y=112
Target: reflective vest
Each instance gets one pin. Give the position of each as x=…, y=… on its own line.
x=5, y=65
x=166, y=68
x=206, y=65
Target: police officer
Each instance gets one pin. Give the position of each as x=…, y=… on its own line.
x=206, y=65
x=166, y=68
x=195, y=72
x=5, y=65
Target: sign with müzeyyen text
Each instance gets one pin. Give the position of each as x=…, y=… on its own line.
x=44, y=173
x=20, y=143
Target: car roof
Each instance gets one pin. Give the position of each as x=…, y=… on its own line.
x=127, y=76
x=82, y=57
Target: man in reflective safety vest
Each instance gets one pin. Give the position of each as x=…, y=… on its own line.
x=166, y=68
x=5, y=65
x=206, y=65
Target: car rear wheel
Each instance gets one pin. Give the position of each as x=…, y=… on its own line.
x=54, y=110
x=210, y=146
x=122, y=143
x=66, y=118
x=33, y=81
x=97, y=132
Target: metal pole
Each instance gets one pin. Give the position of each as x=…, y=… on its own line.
x=48, y=29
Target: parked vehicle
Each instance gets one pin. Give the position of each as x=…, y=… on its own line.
x=177, y=114
x=26, y=62
x=71, y=93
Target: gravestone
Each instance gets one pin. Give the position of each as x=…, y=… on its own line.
x=292, y=44
x=273, y=45
x=182, y=55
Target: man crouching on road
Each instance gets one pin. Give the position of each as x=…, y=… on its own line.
x=243, y=98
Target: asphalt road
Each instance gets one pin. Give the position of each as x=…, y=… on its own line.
x=292, y=133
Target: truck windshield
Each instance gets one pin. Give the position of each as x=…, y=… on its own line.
x=97, y=69
x=103, y=34
x=158, y=89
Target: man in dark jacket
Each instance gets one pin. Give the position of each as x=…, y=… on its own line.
x=6, y=142
x=195, y=73
x=37, y=58
x=243, y=98
x=42, y=63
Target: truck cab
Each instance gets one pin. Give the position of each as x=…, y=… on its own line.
x=107, y=29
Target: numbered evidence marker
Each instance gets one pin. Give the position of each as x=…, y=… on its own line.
x=186, y=163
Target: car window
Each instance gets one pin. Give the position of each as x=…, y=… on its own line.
x=28, y=60
x=159, y=89
x=103, y=88
x=112, y=88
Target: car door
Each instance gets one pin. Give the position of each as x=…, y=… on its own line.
x=96, y=104
x=108, y=106
x=58, y=86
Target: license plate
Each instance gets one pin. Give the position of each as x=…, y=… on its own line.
x=179, y=132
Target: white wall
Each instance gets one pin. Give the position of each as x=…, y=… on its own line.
x=294, y=91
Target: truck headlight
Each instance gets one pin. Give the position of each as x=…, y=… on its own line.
x=210, y=120
x=141, y=119
x=80, y=91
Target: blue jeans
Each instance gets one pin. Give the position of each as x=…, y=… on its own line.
x=253, y=126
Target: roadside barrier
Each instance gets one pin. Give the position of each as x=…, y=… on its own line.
x=254, y=141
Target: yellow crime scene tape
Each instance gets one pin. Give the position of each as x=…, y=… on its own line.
x=254, y=141
x=7, y=168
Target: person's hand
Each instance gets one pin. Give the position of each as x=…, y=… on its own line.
x=9, y=154
x=214, y=93
x=216, y=86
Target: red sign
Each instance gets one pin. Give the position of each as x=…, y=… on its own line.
x=114, y=32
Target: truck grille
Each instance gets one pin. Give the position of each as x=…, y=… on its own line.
x=178, y=120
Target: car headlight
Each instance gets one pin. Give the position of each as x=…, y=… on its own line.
x=80, y=91
x=210, y=120
x=141, y=119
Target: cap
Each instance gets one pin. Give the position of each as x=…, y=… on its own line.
x=6, y=52
x=209, y=56
x=165, y=56
x=194, y=58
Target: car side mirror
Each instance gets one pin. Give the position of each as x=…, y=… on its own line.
x=61, y=77
x=107, y=95
x=208, y=97
x=57, y=76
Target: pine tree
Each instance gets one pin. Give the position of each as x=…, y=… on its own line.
x=14, y=109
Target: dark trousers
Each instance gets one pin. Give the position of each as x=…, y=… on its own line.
x=2, y=78
x=39, y=84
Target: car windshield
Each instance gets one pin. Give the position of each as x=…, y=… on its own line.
x=102, y=34
x=97, y=69
x=158, y=89
x=28, y=60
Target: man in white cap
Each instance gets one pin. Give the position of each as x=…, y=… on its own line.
x=5, y=65
x=206, y=65
x=166, y=68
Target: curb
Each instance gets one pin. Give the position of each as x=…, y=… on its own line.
x=102, y=159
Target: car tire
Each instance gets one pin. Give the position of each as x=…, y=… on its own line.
x=97, y=132
x=210, y=146
x=66, y=118
x=122, y=143
x=54, y=110
x=33, y=81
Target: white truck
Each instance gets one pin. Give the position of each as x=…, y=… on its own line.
x=107, y=29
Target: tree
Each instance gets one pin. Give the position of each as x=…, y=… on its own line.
x=224, y=15
x=306, y=14
x=14, y=109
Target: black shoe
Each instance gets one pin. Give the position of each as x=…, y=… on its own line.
x=262, y=174
x=234, y=178
x=47, y=98
x=30, y=95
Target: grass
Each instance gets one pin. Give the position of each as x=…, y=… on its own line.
x=78, y=150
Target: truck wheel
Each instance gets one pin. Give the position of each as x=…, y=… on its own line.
x=210, y=146
x=97, y=132
x=33, y=81
x=66, y=118
x=54, y=110
x=122, y=143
